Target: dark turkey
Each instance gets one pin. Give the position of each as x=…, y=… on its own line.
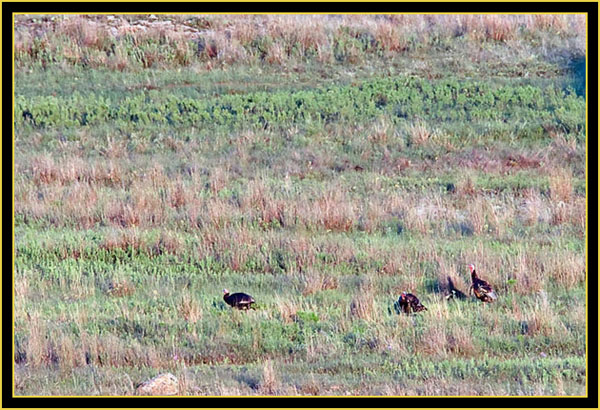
x=482, y=290
x=453, y=292
x=238, y=300
x=410, y=303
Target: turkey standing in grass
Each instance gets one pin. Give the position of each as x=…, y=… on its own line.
x=454, y=293
x=483, y=290
x=238, y=300
x=410, y=303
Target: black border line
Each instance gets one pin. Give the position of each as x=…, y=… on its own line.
x=301, y=7
x=305, y=7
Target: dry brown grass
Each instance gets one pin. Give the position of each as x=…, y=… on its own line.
x=425, y=213
x=313, y=282
x=263, y=206
x=310, y=389
x=154, y=198
x=561, y=185
x=391, y=37
x=556, y=22
x=499, y=28
x=269, y=383
x=532, y=208
x=168, y=242
x=86, y=33
x=303, y=251
x=119, y=288
x=179, y=195
x=21, y=288
x=370, y=219
x=380, y=131
x=529, y=272
x=419, y=133
x=69, y=353
x=460, y=342
x=219, y=178
x=560, y=213
x=189, y=309
x=123, y=239
x=362, y=305
x=567, y=145
x=81, y=205
x=478, y=210
x=216, y=213
x=567, y=269
x=417, y=221
x=520, y=161
x=541, y=319
x=287, y=309
x=36, y=348
x=333, y=211
x=46, y=171
x=483, y=216
x=90, y=40
x=433, y=341
x=578, y=213
x=465, y=186
x=218, y=245
x=394, y=263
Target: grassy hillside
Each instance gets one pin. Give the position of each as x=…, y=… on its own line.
x=322, y=164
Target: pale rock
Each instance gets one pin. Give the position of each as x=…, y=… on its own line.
x=162, y=385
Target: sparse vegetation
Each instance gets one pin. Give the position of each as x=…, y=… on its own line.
x=323, y=164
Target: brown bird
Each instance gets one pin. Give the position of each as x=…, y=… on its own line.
x=240, y=300
x=410, y=303
x=483, y=290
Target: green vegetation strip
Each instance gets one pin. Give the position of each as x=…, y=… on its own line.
x=400, y=98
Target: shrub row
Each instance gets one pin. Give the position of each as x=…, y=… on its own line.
x=401, y=98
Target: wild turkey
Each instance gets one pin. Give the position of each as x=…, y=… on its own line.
x=410, y=303
x=483, y=290
x=238, y=300
x=453, y=292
